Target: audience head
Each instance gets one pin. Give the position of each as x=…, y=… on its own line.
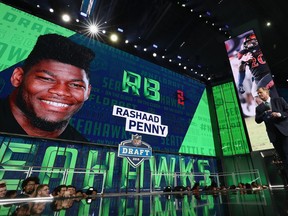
x=60, y=191
x=3, y=189
x=72, y=190
x=43, y=190
x=29, y=185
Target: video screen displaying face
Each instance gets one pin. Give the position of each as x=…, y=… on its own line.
x=123, y=95
x=250, y=72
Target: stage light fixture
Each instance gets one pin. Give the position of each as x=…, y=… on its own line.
x=51, y=10
x=94, y=29
x=114, y=37
x=83, y=14
x=66, y=18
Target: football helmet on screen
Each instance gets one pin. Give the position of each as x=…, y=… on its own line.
x=250, y=41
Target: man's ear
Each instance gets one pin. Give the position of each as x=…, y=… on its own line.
x=88, y=92
x=17, y=77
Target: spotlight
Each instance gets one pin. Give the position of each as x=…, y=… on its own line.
x=51, y=10
x=66, y=18
x=83, y=14
x=120, y=30
x=155, y=46
x=114, y=37
x=94, y=29
x=145, y=49
x=154, y=54
x=126, y=41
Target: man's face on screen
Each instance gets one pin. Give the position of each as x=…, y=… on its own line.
x=51, y=92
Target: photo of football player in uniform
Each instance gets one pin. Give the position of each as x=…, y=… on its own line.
x=251, y=56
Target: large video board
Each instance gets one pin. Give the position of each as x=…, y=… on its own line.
x=250, y=71
x=129, y=95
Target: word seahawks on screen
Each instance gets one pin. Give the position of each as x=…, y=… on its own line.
x=141, y=122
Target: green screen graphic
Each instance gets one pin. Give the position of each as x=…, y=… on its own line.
x=232, y=134
x=19, y=32
x=118, y=78
x=199, y=137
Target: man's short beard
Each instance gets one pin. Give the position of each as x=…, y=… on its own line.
x=36, y=121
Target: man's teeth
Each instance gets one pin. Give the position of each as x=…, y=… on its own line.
x=55, y=103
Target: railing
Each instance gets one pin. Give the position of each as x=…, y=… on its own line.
x=176, y=178
x=26, y=172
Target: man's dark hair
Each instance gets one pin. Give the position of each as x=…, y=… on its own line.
x=58, y=189
x=264, y=89
x=71, y=186
x=61, y=49
x=31, y=178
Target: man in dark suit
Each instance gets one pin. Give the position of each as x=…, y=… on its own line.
x=274, y=113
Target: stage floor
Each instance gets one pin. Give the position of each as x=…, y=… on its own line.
x=261, y=202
